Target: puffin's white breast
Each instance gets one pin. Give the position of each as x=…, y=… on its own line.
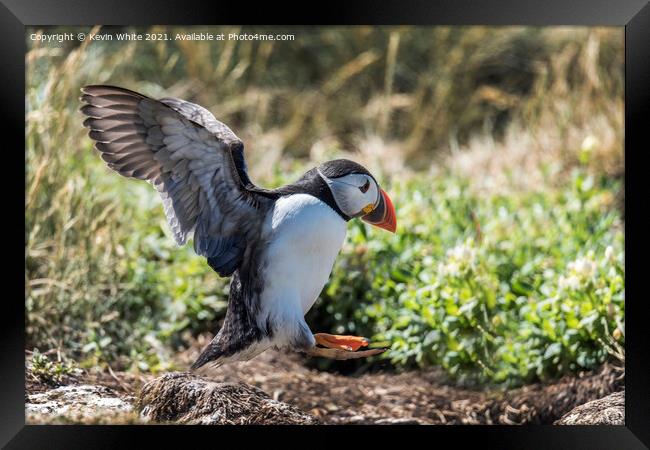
x=304, y=235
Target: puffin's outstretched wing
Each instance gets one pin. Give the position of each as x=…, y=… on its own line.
x=195, y=162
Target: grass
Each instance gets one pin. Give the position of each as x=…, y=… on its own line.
x=501, y=148
x=44, y=370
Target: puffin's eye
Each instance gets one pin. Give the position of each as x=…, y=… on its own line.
x=365, y=187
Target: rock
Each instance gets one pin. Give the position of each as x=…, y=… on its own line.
x=84, y=403
x=544, y=403
x=608, y=410
x=188, y=399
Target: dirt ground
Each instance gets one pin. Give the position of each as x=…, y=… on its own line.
x=411, y=397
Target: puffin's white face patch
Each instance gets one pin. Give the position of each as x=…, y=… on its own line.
x=355, y=194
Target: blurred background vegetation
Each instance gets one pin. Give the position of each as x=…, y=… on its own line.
x=502, y=149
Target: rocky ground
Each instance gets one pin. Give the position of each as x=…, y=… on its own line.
x=278, y=388
x=609, y=410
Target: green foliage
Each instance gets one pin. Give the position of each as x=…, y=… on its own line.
x=50, y=372
x=500, y=289
x=128, y=290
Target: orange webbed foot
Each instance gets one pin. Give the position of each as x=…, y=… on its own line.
x=335, y=341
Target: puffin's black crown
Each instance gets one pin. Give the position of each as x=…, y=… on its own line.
x=341, y=167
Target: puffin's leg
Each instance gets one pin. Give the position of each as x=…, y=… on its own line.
x=335, y=341
x=335, y=353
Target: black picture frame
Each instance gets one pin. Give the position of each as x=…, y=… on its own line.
x=634, y=15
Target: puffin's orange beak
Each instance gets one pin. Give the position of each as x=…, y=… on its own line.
x=383, y=216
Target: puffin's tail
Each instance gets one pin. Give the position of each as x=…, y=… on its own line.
x=211, y=354
x=218, y=353
x=239, y=338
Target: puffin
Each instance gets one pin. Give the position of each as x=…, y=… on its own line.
x=277, y=245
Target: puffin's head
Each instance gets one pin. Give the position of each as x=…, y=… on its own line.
x=357, y=193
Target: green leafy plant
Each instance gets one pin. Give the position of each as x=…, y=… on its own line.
x=504, y=289
x=48, y=371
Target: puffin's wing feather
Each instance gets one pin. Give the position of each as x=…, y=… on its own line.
x=203, y=117
x=195, y=162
